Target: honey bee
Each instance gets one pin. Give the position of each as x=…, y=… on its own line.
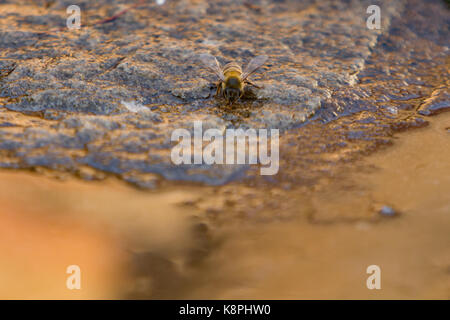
x=232, y=79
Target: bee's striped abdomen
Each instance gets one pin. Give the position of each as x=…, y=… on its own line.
x=232, y=86
x=232, y=69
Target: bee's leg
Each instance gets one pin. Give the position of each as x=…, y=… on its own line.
x=219, y=86
x=228, y=98
x=252, y=84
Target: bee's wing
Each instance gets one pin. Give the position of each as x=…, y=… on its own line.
x=254, y=65
x=212, y=64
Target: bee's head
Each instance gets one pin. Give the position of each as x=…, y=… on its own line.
x=232, y=94
x=232, y=89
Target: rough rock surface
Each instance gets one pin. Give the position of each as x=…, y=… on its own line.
x=106, y=98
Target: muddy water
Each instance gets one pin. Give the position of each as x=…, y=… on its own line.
x=131, y=243
x=304, y=259
x=54, y=224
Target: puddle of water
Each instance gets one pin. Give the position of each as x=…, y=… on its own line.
x=138, y=244
x=297, y=259
x=47, y=225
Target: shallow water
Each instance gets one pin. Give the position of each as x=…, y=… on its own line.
x=135, y=244
x=338, y=231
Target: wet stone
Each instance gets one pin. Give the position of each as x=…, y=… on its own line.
x=438, y=102
x=108, y=96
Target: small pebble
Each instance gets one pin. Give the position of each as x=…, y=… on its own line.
x=388, y=211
